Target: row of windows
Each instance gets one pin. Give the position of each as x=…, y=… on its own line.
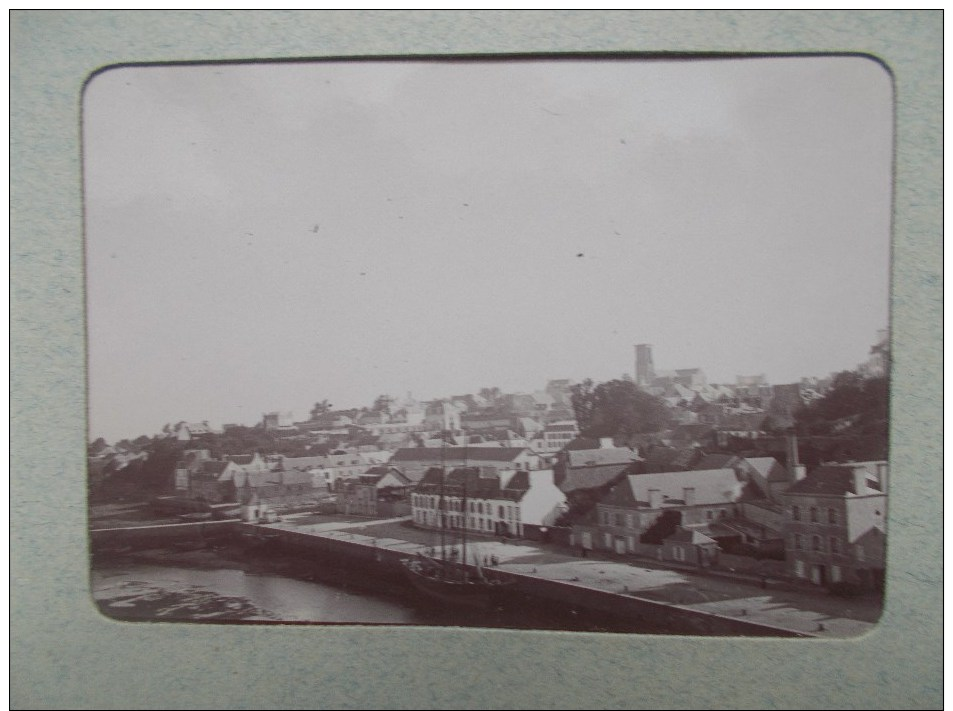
x=817, y=543
x=456, y=522
x=477, y=507
x=814, y=514
x=631, y=521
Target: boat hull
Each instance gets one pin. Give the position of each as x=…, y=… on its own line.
x=434, y=582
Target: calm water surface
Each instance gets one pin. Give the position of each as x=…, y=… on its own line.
x=169, y=593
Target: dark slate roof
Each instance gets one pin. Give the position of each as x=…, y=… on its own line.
x=288, y=463
x=472, y=482
x=663, y=459
x=716, y=461
x=599, y=457
x=559, y=428
x=769, y=468
x=379, y=472
x=716, y=486
x=684, y=535
x=833, y=480
x=471, y=454
x=213, y=467
x=519, y=481
x=591, y=477
x=582, y=443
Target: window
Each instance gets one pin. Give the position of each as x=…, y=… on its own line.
x=797, y=541
x=502, y=512
x=835, y=544
x=799, y=568
x=796, y=513
x=619, y=520
x=678, y=552
x=813, y=514
x=835, y=574
x=709, y=515
x=816, y=543
x=831, y=516
x=605, y=518
x=859, y=552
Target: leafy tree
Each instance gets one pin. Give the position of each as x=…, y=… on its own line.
x=617, y=408
x=320, y=408
x=97, y=446
x=382, y=404
x=491, y=395
x=854, y=405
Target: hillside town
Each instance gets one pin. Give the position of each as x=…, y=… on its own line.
x=782, y=480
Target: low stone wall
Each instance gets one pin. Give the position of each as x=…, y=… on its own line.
x=145, y=536
x=383, y=560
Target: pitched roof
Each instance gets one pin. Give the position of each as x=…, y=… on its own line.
x=469, y=454
x=213, y=467
x=474, y=482
x=769, y=468
x=835, y=480
x=685, y=535
x=259, y=479
x=591, y=477
x=561, y=427
x=716, y=461
x=600, y=457
x=712, y=486
x=302, y=463
x=665, y=459
x=242, y=459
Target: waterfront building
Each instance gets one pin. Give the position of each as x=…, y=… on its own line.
x=415, y=461
x=346, y=463
x=593, y=468
x=649, y=507
x=835, y=524
x=274, y=489
x=487, y=501
x=380, y=491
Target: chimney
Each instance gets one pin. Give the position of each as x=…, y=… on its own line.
x=793, y=460
x=688, y=495
x=606, y=443
x=655, y=498
x=882, y=476
x=796, y=470
x=860, y=480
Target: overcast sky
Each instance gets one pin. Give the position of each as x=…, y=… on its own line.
x=261, y=237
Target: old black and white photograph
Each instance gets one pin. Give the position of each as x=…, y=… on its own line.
x=589, y=343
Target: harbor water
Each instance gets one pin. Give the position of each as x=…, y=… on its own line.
x=287, y=589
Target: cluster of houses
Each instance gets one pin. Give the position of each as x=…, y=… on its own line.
x=827, y=525
x=514, y=465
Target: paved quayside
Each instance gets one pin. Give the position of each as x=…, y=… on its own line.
x=806, y=613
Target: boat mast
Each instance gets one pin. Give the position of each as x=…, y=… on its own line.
x=463, y=537
x=443, y=513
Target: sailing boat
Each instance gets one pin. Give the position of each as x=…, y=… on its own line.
x=450, y=580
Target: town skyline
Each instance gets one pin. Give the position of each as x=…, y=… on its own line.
x=400, y=397
x=263, y=236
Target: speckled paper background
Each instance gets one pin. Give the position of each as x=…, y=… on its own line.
x=65, y=655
